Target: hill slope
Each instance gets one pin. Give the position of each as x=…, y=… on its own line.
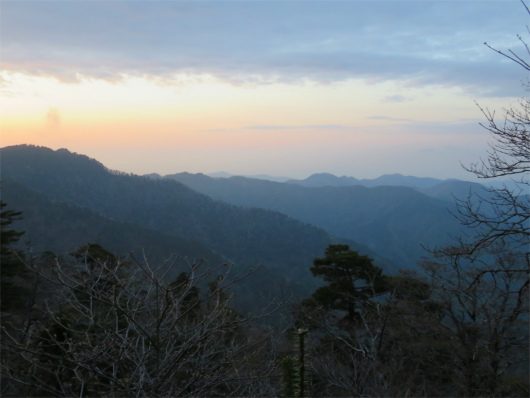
x=392, y=221
x=246, y=236
x=62, y=227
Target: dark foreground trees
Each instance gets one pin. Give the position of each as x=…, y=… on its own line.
x=351, y=278
x=500, y=217
x=13, y=275
x=484, y=307
x=371, y=335
x=445, y=334
x=111, y=327
x=482, y=279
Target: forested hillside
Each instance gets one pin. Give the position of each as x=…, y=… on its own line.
x=61, y=227
x=393, y=221
x=246, y=236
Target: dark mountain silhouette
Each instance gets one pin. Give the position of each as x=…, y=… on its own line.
x=222, y=174
x=326, y=179
x=62, y=227
x=154, y=176
x=402, y=181
x=243, y=235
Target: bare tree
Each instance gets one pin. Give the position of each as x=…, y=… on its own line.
x=510, y=54
x=117, y=328
x=482, y=279
x=483, y=301
x=502, y=215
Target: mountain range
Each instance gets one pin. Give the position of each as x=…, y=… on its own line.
x=394, y=221
x=327, y=179
x=69, y=200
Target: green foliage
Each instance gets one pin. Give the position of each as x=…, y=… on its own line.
x=294, y=371
x=93, y=253
x=288, y=373
x=407, y=287
x=410, y=335
x=351, y=278
x=301, y=370
x=8, y=236
x=14, y=290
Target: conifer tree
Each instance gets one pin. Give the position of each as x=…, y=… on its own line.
x=351, y=278
x=12, y=292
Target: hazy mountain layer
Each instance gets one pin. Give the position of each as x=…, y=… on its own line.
x=326, y=179
x=246, y=236
x=393, y=221
x=451, y=190
x=62, y=227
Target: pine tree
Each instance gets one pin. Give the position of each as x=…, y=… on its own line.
x=351, y=278
x=12, y=269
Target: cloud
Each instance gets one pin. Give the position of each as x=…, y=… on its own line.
x=396, y=98
x=456, y=128
x=392, y=119
x=53, y=118
x=314, y=126
x=423, y=43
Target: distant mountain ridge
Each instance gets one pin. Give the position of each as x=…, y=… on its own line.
x=326, y=179
x=253, y=221
x=394, y=221
x=331, y=180
x=222, y=174
x=454, y=189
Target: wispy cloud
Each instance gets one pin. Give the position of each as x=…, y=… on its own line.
x=314, y=126
x=388, y=118
x=455, y=128
x=396, y=98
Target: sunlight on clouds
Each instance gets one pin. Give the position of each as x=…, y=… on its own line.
x=209, y=104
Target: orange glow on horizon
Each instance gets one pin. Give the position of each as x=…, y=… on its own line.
x=208, y=126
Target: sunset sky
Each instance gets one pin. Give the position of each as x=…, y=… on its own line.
x=286, y=88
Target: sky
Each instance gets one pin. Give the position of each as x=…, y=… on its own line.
x=285, y=88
